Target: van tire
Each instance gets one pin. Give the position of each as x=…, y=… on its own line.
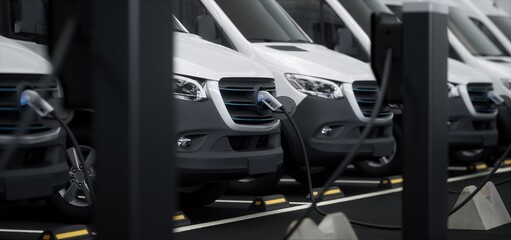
x=393, y=167
x=79, y=209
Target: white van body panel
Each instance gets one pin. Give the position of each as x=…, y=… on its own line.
x=459, y=73
x=15, y=58
x=470, y=8
x=196, y=57
x=318, y=61
x=488, y=8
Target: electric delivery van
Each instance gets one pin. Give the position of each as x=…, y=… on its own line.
x=334, y=93
x=472, y=47
x=332, y=24
x=224, y=133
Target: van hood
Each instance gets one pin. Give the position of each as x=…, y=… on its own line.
x=504, y=61
x=313, y=60
x=494, y=69
x=15, y=58
x=196, y=57
x=460, y=73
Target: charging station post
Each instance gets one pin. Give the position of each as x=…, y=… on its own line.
x=425, y=120
x=132, y=71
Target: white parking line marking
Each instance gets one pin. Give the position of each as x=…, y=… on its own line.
x=330, y=202
x=475, y=175
x=457, y=168
x=4, y=230
x=249, y=202
x=279, y=211
x=302, y=206
x=358, y=181
x=29, y=231
x=287, y=180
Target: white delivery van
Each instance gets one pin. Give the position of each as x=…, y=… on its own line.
x=223, y=132
x=334, y=93
x=344, y=26
x=470, y=46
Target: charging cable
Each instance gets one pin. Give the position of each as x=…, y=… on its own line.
x=43, y=109
x=482, y=183
x=350, y=156
x=272, y=103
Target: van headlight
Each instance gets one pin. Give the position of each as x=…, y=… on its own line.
x=189, y=89
x=314, y=86
x=454, y=91
x=506, y=82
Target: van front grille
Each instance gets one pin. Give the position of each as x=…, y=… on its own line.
x=478, y=93
x=366, y=93
x=240, y=98
x=10, y=114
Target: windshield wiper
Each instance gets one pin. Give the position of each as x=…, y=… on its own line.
x=297, y=41
x=264, y=40
x=275, y=40
x=491, y=55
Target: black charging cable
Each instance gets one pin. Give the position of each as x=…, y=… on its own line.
x=306, y=158
x=342, y=166
x=350, y=156
x=44, y=109
x=81, y=159
x=482, y=183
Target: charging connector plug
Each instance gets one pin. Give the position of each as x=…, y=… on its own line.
x=495, y=98
x=36, y=102
x=269, y=100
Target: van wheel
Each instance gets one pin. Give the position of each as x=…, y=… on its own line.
x=202, y=195
x=386, y=165
x=475, y=155
x=74, y=200
x=259, y=185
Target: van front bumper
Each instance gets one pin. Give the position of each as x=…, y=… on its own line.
x=466, y=131
x=218, y=153
x=313, y=114
x=37, y=169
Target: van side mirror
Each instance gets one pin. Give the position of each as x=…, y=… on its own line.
x=31, y=19
x=346, y=42
x=206, y=28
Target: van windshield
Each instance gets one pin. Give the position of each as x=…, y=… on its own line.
x=470, y=35
x=361, y=11
x=503, y=23
x=262, y=21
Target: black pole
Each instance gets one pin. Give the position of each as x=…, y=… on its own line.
x=425, y=121
x=132, y=61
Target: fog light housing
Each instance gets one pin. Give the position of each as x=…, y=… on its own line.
x=184, y=142
x=326, y=130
